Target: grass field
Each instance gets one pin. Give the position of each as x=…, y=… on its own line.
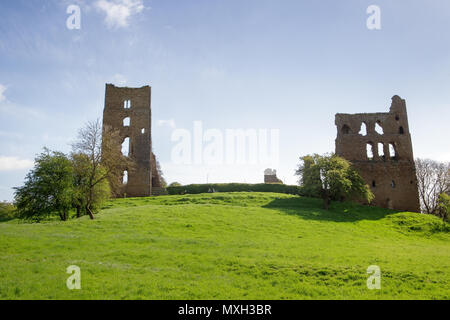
x=228, y=246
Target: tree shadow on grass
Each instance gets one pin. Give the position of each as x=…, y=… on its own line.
x=312, y=209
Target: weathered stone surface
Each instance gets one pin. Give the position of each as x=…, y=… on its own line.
x=135, y=104
x=270, y=176
x=390, y=172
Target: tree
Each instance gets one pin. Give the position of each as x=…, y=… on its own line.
x=433, y=179
x=82, y=166
x=175, y=184
x=48, y=188
x=7, y=211
x=444, y=206
x=161, y=175
x=97, y=154
x=331, y=178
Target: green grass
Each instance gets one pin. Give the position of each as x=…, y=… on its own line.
x=228, y=246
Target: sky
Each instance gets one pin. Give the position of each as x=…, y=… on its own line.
x=286, y=66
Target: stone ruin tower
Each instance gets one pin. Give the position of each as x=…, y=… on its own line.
x=270, y=176
x=128, y=110
x=379, y=147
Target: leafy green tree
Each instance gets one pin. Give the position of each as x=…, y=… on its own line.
x=97, y=161
x=82, y=167
x=48, y=188
x=331, y=178
x=7, y=211
x=175, y=184
x=444, y=206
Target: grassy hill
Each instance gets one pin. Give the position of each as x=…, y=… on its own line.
x=228, y=246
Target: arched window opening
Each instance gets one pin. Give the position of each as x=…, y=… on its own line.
x=401, y=130
x=126, y=122
x=392, y=152
x=345, y=129
x=127, y=104
x=381, y=151
x=393, y=184
x=369, y=150
x=125, y=177
x=126, y=147
x=379, y=128
x=143, y=130
x=363, y=130
x=374, y=184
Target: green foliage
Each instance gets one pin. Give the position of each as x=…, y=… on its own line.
x=88, y=184
x=331, y=178
x=233, y=187
x=444, y=206
x=48, y=188
x=7, y=211
x=228, y=246
x=175, y=184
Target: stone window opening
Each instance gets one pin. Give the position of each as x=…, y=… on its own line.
x=397, y=118
x=143, y=130
x=345, y=129
x=369, y=150
x=125, y=178
x=126, y=122
x=374, y=184
x=401, y=130
x=379, y=128
x=393, y=184
x=127, y=104
x=363, y=130
x=381, y=151
x=126, y=147
x=392, y=151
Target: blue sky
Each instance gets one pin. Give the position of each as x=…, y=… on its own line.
x=287, y=65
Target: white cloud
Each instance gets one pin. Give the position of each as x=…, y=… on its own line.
x=14, y=163
x=118, y=12
x=2, y=91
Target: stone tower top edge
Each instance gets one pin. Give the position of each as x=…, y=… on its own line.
x=118, y=87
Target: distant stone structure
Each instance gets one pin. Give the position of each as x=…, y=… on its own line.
x=128, y=110
x=379, y=147
x=270, y=176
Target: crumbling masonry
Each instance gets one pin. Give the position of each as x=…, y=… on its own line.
x=128, y=111
x=379, y=147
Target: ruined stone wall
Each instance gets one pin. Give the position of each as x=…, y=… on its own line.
x=135, y=104
x=385, y=158
x=270, y=176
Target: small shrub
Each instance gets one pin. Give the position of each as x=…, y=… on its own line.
x=7, y=211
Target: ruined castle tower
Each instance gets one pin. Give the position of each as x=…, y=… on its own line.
x=128, y=110
x=380, y=149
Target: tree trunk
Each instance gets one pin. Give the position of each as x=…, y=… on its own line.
x=326, y=200
x=89, y=211
x=326, y=203
x=78, y=212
